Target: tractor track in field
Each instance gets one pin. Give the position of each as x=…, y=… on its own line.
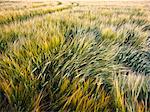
x=30, y=16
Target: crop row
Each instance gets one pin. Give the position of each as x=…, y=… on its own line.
x=10, y=16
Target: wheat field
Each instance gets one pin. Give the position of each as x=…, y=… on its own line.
x=74, y=56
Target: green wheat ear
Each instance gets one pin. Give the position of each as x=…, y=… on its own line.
x=137, y=60
x=108, y=33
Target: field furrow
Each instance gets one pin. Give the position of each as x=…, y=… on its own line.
x=7, y=17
